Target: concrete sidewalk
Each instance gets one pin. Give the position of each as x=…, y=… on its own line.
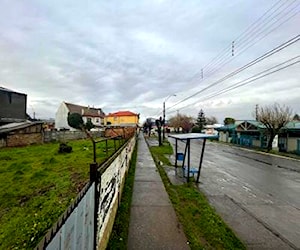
x=153, y=222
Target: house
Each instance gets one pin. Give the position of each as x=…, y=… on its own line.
x=289, y=138
x=95, y=115
x=212, y=129
x=12, y=106
x=244, y=132
x=253, y=134
x=21, y=134
x=122, y=118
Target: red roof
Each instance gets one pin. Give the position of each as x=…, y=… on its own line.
x=121, y=113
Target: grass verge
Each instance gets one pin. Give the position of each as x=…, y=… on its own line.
x=37, y=184
x=119, y=235
x=202, y=226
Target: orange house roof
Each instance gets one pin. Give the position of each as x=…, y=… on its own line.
x=121, y=113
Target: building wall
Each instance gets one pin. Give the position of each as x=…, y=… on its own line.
x=97, y=121
x=292, y=144
x=256, y=143
x=223, y=136
x=119, y=120
x=12, y=105
x=61, y=117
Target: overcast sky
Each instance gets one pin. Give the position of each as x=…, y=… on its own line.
x=134, y=55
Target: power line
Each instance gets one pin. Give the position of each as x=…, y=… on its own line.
x=256, y=24
x=253, y=62
x=211, y=67
x=248, y=80
x=251, y=43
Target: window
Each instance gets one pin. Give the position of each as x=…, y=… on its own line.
x=97, y=120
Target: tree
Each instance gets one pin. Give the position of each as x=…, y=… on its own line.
x=159, y=124
x=75, y=121
x=229, y=120
x=274, y=117
x=89, y=125
x=201, y=120
x=211, y=120
x=181, y=121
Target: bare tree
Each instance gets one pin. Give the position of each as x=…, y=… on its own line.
x=274, y=117
x=181, y=121
x=211, y=120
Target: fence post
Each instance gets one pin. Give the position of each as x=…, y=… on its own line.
x=94, y=178
x=94, y=150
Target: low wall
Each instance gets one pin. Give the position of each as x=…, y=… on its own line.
x=88, y=222
x=62, y=136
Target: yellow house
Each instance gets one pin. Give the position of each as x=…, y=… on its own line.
x=122, y=118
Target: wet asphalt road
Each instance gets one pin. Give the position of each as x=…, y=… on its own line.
x=263, y=187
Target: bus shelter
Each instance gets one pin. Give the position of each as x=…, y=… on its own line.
x=187, y=152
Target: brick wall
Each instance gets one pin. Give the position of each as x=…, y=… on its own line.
x=24, y=139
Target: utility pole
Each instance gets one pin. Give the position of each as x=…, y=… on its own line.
x=164, y=119
x=164, y=115
x=256, y=112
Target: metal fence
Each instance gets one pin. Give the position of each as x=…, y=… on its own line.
x=88, y=221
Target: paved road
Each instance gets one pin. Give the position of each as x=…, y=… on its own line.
x=257, y=194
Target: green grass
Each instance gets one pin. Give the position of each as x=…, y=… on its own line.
x=119, y=235
x=203, y=227
x=37, y=185
x=162, y=151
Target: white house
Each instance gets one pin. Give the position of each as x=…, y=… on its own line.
x=211, y=129
x=95, y=115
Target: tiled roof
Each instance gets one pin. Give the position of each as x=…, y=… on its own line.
x=121, y=113
x=87, y=111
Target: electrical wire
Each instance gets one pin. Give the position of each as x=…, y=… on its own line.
x=248, y=80
x=253, y=62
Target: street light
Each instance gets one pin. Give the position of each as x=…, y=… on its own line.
x=164, y=114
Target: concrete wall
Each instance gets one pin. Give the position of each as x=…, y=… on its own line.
x=12, y=105
x=62, y=136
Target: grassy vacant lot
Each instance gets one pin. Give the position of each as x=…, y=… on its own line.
x=36, y=186
x=202, y=226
